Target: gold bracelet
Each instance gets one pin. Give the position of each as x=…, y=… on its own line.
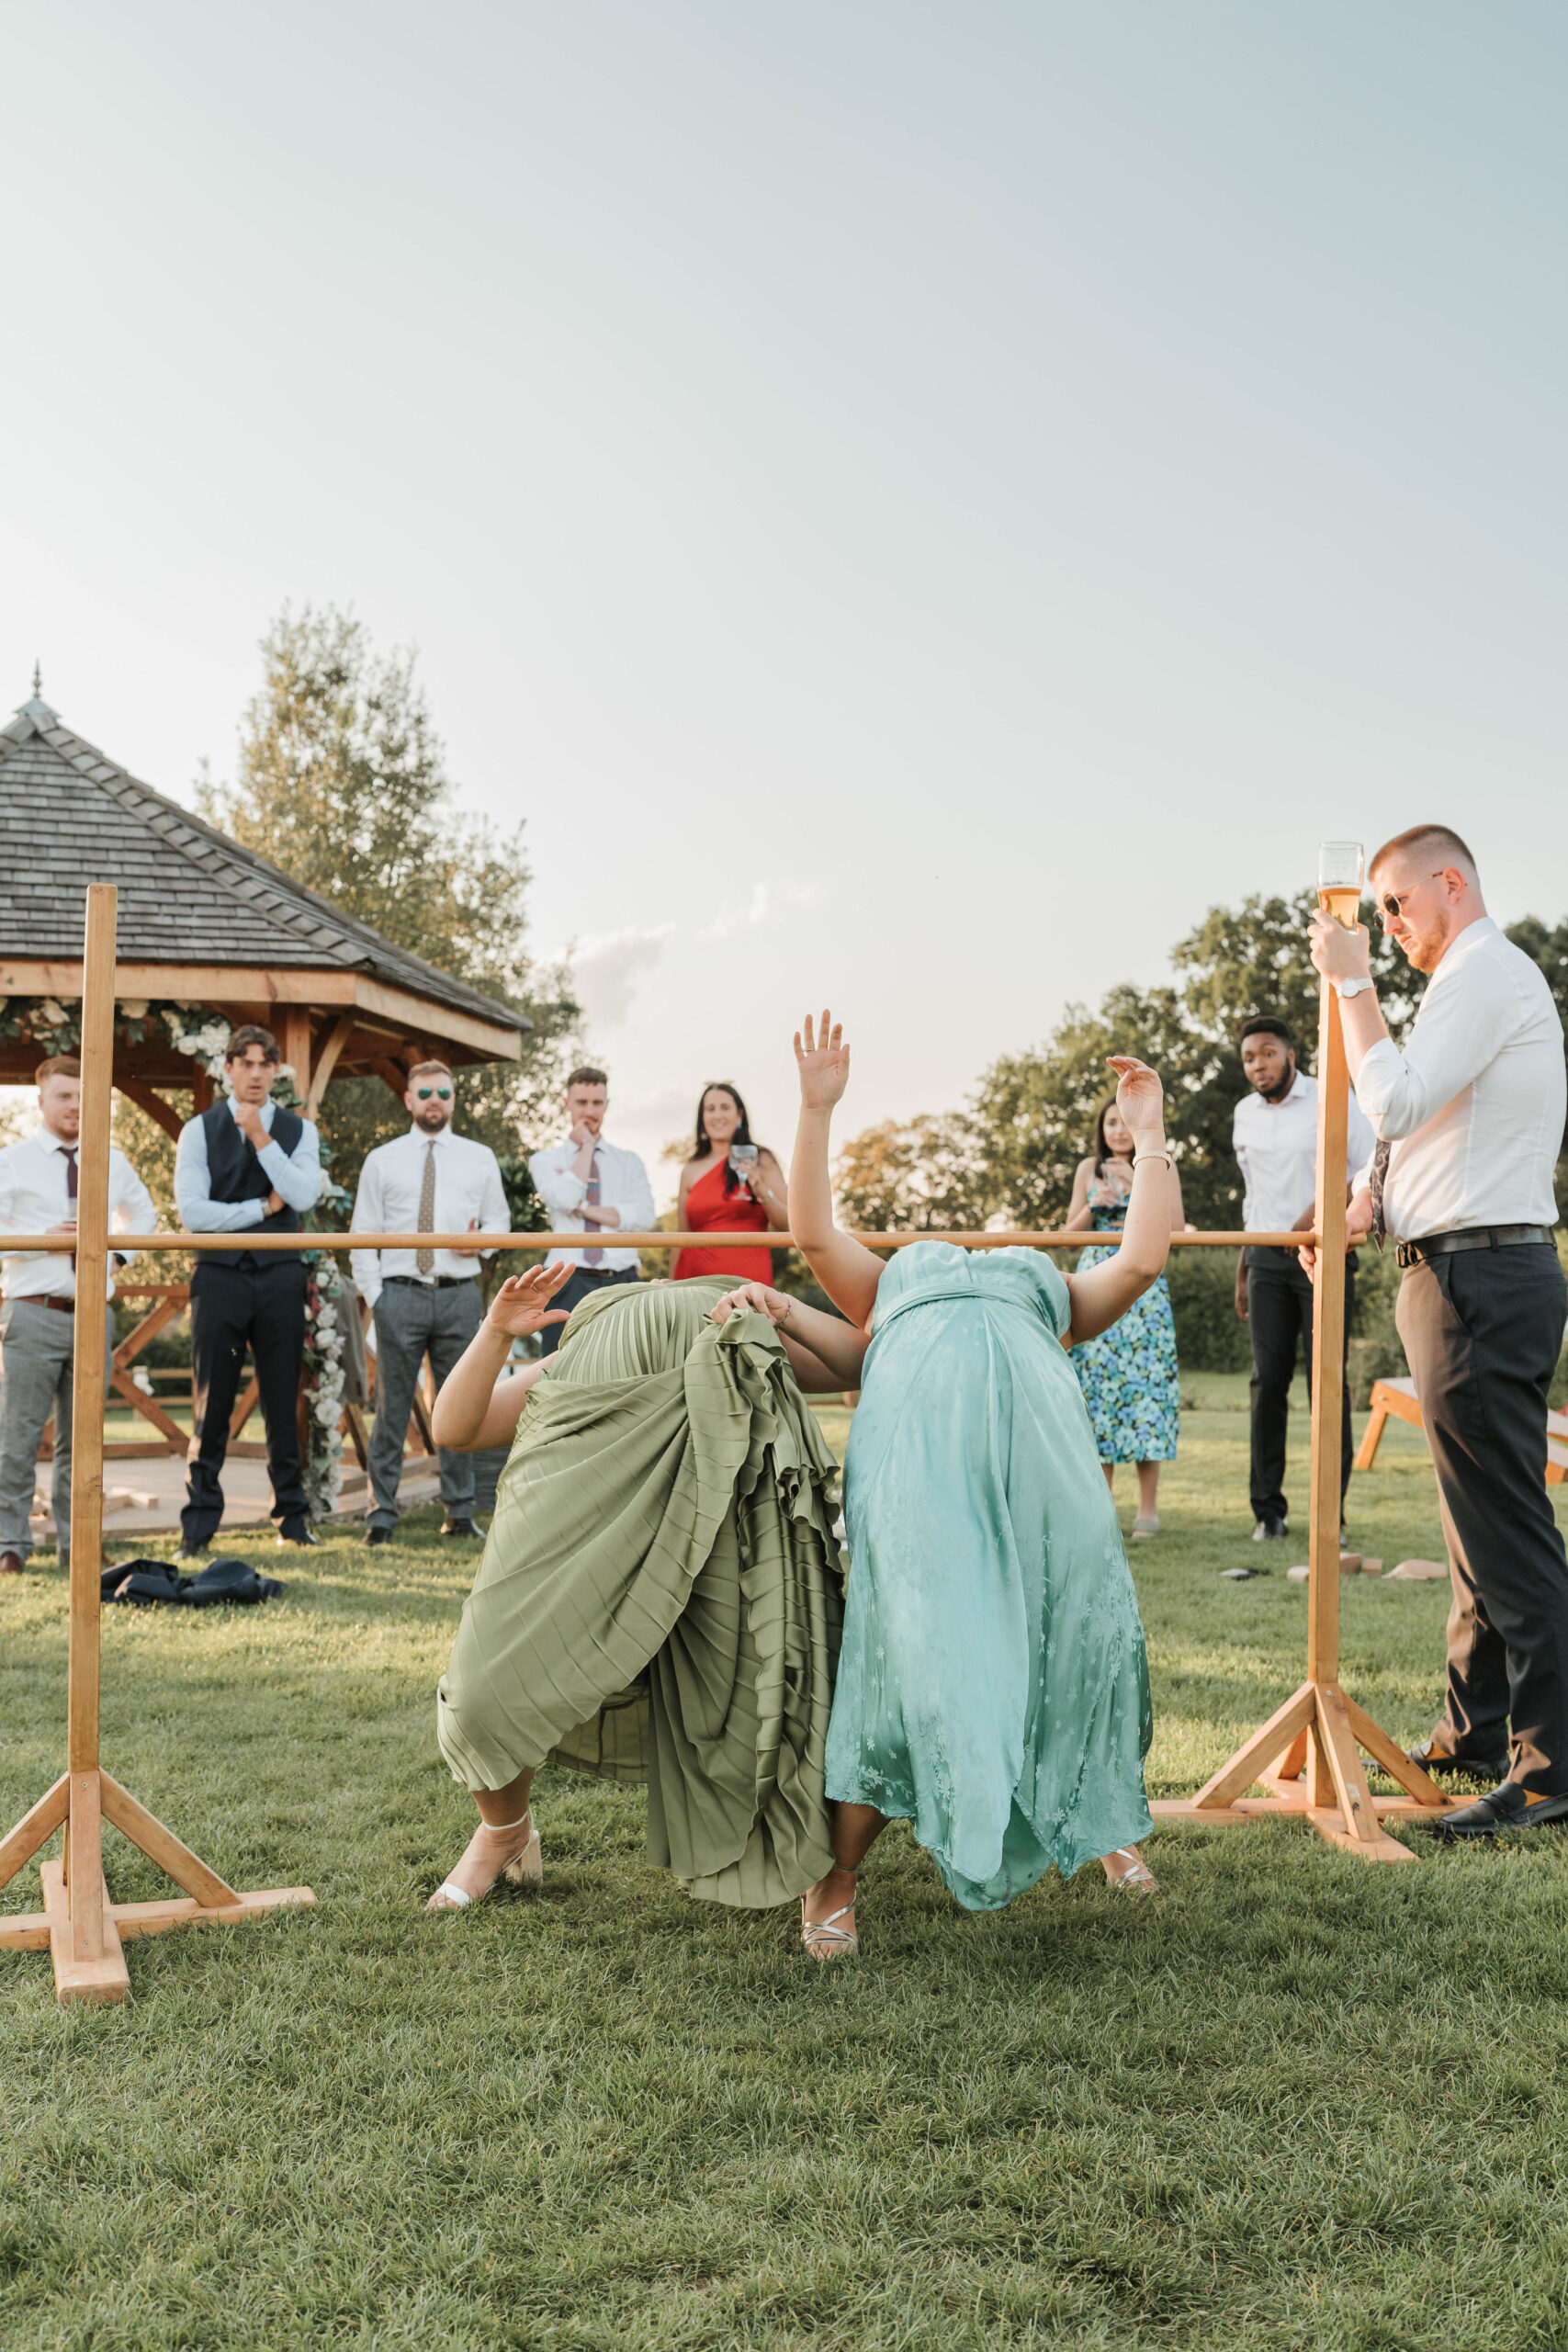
x=1139, y=1157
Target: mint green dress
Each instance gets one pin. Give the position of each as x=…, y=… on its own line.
x=660, y=1594
x=993, y=1687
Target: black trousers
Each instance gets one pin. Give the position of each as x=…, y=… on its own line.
x=1278, y=1300
x=1482, y=1329
x=229, y=1306
x=580, y=1283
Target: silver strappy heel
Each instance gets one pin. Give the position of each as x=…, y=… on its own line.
x=1139, y=1880
x=824, y=1939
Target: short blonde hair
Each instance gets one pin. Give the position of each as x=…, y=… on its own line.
x=428, y=1069
x=1442, y=840
x=57, y=1066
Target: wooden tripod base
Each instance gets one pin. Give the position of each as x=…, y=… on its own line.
x=82, y=1929
x=1308, y=1756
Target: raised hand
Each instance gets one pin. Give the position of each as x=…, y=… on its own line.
x=823, y=1062
x=522, y=1305
x=755, y=1295
x=1139, y=1097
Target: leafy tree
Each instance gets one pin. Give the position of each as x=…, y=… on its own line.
x=342, y=782
x=1550, y=950
x=919, y=1179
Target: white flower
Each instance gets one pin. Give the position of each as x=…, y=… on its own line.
x=52, y=1012
x=134, y=1007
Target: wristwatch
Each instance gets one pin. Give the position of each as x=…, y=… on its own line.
x=1351, y=988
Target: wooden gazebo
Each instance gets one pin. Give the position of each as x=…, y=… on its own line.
x=208, y=931
x=205, y=924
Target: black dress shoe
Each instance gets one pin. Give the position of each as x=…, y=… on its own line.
x=1271, y=1531
x=1433, y=1758
x=188, y=1551
x=378, y=1535
x=1504, y=1807
x=460, y=1527
x=296, y=1536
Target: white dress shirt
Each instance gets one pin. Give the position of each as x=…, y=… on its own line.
x=1473, y=1106
x=468, y=1188
x=295, y=1177
x=34, y=1195
x=1276, y=1143
x=623, y=1185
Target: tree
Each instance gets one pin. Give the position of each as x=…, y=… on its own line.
x=1550, y=950
x=342, y=782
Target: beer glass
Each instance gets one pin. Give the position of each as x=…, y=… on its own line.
x=1340, y=872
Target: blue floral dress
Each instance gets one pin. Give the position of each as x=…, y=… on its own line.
x=1129, y=1375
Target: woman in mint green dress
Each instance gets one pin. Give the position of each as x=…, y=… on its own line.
x=992, y=1684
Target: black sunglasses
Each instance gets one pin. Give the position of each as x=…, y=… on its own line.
x=1390, y=902
x=424, y=1092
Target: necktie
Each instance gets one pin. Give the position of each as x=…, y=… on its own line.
x=594, y=1257
x=70, y=1186
x=1379, y=1170
x=425, y=1258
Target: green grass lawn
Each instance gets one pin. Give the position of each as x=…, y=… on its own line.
x=1300, y=2100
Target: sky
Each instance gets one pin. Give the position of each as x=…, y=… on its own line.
x=910, y=503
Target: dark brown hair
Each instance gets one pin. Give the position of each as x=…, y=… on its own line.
x=586, y=1076
x=1102, y=1151
x=249, y=1034
x=742, y=1133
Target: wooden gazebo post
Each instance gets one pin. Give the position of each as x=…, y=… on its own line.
x=82, y=1929
x=1319, y=1728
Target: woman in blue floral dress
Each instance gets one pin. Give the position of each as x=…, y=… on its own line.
x=1129, y=1374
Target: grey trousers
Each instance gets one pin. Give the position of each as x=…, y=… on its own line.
x=38, y=1350
x=413, y=1319
x=1482, y=1329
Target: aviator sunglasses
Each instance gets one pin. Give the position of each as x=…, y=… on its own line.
x=1390, y=903
x=424, y=1092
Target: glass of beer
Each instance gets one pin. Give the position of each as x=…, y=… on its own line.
x=1341, y=869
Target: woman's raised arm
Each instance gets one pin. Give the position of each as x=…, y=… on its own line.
x=847, y=1271
x=476, y=1408
x=1108, y=1289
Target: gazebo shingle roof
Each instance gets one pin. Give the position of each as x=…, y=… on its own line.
x=187, y=894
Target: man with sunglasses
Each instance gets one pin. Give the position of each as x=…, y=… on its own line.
x=1469, y=1118
x=424, y=1302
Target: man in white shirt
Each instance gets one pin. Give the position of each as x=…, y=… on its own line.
x=1274, y=1135
x=246, y=1166
x=1468, y=1120
x=593, y=1186
x=425, y=1301
x=38, y=1325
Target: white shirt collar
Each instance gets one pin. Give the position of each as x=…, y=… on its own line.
x=49, y=1141
x=418, y=1135
x=266, y=1110
x=1483, y=927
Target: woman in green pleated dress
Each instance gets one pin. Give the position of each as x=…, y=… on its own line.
x=660, y=1598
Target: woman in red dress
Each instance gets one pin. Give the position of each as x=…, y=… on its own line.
x=728, y=1185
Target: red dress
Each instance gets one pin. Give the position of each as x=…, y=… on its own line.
x=709, y=1209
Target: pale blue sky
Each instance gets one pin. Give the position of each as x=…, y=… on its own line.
x=911, y=503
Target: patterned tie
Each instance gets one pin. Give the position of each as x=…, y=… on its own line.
x=1379, y=1170
x=594, y=1257
x=71, y=1185
x=425, y=1258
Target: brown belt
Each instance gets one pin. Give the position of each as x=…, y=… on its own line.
x=60, y=1305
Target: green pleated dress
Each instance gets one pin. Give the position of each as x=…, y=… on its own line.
x=660, y=1595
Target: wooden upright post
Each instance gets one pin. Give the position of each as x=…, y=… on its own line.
x=82, y=1929
x=1318, y=1726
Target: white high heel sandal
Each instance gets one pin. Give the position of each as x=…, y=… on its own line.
x=525, y=1866
x=824, y=1939
x=1139, y=1880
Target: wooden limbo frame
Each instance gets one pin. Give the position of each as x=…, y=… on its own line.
x=1307, y=1756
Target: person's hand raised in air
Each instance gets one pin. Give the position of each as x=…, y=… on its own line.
x=824, y=1063
x=522, y=1305
x=1140, y=1098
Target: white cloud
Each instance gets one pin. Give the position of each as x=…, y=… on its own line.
x=607, y=970
x=768, y=903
